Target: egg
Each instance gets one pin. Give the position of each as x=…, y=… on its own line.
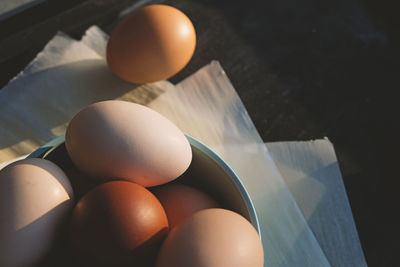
x=35, y=200
x=181, y=201
x=151, y=44
x=118, y=223
x=123, y=140
x=212, y=238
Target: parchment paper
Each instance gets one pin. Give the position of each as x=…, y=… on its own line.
x=311, y=171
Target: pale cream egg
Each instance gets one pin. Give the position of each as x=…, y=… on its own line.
x=114, y=140
x=35, y=199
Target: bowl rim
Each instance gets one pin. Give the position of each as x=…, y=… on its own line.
x=50, y=146
x=234, y=178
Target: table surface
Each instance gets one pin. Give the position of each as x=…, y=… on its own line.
x=303, y=69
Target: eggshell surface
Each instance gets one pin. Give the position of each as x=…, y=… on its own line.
x=118, y=223
x=35, y=200
x=181, y=201
x=212, y=238
x=122, y=140
x=151, y=44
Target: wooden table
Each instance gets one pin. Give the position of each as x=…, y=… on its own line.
x=303, y=69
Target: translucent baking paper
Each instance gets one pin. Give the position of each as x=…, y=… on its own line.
x=311, y=171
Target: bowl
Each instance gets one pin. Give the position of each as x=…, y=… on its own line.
x=207, y=172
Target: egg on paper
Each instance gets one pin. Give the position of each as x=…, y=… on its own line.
x=123, y=140
x=151, y=44
x=212, y=238
x=35, y=199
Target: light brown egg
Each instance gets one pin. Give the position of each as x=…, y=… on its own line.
x=122, y=140
x=212, y=238
x=35, y=198
x=181, y=201
x=151, y=44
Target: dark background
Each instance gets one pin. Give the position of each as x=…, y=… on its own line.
x=304, y=69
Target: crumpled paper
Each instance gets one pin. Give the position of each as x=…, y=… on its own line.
x=68, y=75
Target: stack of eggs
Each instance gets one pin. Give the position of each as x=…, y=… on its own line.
x=134, y=213
x=129, y=209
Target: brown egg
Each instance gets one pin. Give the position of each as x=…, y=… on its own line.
x=35, y=199
x=151, y=44
x=181, y=201
x=118, y=223
x=123, y=140
x=212, y=238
